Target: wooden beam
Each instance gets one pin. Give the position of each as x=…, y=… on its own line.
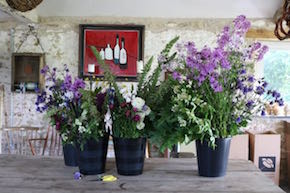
x=26, y=17
x=261, y=34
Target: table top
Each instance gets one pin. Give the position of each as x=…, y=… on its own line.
x=24, y=174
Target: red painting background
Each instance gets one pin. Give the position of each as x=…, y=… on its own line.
x=100, y=39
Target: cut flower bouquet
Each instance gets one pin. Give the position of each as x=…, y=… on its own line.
x=215, y=92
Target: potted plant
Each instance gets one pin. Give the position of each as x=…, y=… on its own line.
x=215, y=94
x=127, y=111
x=157, y=94
x=92, y=136
x=60, y=101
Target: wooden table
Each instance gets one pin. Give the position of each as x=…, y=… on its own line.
x=21, y=174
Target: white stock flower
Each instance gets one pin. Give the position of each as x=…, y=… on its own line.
x=142, y=116
x=64, y=137
x=82, y=129
x=147, y=111
x=140, y=125
x=78, y=122
x=84, y=114
x=138, y=103
x=182, y=122
x=62, y=105
x=108, y=121
x=69, y=95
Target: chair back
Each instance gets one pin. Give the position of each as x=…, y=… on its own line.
x=15, y=139
x=48, y=145
x=55, y=145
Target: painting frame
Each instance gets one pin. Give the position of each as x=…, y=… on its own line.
x=135, y=34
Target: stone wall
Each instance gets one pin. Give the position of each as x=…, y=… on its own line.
x=60, y=40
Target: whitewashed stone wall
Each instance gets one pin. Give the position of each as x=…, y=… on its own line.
x=60, y=40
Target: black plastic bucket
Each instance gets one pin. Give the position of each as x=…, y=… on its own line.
x=130, y=154
x=70, y=155
x=93, y=156
x=213, y=162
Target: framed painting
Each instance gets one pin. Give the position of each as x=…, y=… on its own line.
x=121, y=46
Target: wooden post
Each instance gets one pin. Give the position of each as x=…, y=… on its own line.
x=1, y=114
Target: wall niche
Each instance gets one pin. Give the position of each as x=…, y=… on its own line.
x=26, y=76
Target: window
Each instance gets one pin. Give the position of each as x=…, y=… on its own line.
x=275, y=67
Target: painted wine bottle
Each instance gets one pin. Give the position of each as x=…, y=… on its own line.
x=108, y=53
x=123, y=55
x=117, y=51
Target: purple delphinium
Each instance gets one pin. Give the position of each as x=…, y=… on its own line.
x=44, y=70
x=263, y=112
x=251, y=79
x=262, y=52
x=161, y=59
x=76, y=86
x=260, y=90
x=238, y=120
x=250, y=103
x=58, y=92
x=176, y=76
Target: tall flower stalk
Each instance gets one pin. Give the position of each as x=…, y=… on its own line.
x=215, y=92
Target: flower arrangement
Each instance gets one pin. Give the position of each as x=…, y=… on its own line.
x=215, y=92
x=128, y=116
x=132, y=105
x=76, y=113
x=127, y=111
x=60, y=100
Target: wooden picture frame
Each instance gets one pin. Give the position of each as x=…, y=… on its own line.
x=121, y=46
x=26, y=69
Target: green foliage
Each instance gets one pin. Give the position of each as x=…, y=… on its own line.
x=109, y=76
x=149, y=90
x=164, y=123
x=90, y=123
x=154, y=95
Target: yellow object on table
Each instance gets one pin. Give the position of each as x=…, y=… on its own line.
x=109, y=178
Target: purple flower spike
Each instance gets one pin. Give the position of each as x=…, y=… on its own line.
x=280, y=102
x=251, y=79
x=263, y=113
x=238, y=120
x=243, y=71
x=44, y=70
x=250, y=104
x=260, y=90
x=176, y=76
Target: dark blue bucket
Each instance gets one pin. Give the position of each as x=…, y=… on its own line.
x=130, y=154
x=71, y=155
x=93, y=156
x=213, y=162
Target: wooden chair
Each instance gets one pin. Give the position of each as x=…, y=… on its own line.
x=52, y=141
x=15, y=139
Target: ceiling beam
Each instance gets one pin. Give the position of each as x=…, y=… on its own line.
x=25, y=17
